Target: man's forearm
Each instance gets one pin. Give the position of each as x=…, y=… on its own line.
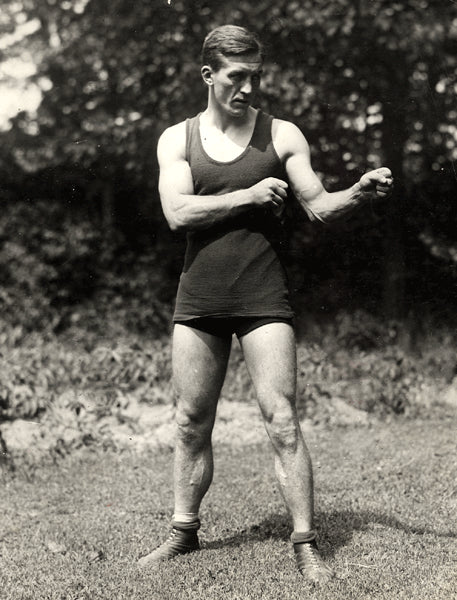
x=190, y=212
x=328, y=207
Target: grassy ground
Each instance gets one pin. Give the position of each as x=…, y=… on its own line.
x=386, y=506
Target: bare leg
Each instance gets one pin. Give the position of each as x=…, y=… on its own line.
x=270, y=357
x=199, y=367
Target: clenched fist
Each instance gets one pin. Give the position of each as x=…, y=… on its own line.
x=269, y=192
x=377, y=183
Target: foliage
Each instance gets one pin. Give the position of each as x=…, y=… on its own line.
x=51, y=263
x=106, y=99
x=33, y=375
x=86, y=390
x=382, y=382
x=113, y=75
x=84, y=251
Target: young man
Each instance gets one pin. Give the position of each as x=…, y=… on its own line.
x=224, y=177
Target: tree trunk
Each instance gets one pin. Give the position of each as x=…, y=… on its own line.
x=394, y=139
x=394, y=299
x=108, y=210
x=5, y=457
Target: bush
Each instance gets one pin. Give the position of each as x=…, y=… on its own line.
x=360, y=360
x=34, y=374
x=58, y=271
x=363, y=366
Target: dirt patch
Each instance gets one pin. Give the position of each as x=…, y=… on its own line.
x=138, y=426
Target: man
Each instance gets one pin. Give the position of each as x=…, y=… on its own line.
x=224, y=178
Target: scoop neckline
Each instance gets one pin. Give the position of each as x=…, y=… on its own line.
x=237, y=158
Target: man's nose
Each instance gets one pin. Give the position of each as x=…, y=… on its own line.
x=246, y=88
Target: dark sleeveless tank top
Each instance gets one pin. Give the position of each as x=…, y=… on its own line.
x=233, y=268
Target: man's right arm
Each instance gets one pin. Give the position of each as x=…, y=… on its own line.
x=183, y=209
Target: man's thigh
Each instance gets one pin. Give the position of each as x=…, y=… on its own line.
x=199, y=364
x=270, y=356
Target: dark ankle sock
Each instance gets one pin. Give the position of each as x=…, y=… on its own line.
x=193, y=526
x=302, y=537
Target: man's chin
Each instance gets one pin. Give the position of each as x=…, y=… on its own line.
x=239, y=108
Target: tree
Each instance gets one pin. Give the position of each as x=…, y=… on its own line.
x=369, y=83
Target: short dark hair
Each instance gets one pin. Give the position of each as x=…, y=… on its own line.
x=229, y=40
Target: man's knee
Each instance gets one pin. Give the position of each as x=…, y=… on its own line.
x=283, y=429
x=193, y=427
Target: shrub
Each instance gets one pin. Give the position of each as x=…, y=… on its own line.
x=58, y=271
x=33, y=375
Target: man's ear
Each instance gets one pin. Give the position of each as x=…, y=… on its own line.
x=207, y=74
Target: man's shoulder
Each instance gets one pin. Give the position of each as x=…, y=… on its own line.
x=283, y=127
x=172, y=142
x=287, y=138
x=174, y=132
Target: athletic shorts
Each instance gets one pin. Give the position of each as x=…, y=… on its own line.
x=225, y=327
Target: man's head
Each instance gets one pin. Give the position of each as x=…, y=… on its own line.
x=232, y=67
x=229, y=41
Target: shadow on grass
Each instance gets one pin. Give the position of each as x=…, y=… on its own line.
x=335, y=529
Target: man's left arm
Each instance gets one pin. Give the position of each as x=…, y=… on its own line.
x=319, y=204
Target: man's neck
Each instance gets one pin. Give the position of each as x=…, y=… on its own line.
x=214, y=117
x=225, y=139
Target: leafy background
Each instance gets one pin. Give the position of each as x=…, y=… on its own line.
x=88, y=268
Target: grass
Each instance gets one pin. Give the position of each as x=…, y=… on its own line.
x=386, y=506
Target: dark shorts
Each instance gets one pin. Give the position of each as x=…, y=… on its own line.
x=225, y=327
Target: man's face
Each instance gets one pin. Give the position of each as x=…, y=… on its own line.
x=237, y=82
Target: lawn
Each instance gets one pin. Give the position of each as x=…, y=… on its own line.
x=386, y=507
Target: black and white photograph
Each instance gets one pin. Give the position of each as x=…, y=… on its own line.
x=228, y=299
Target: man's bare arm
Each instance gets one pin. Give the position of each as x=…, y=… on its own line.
x=185, y=210
x=307, y=187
